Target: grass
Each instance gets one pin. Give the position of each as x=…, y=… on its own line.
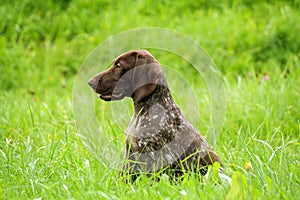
x=254, y=44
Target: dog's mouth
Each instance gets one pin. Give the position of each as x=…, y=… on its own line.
x=111, y=96
x=105, y=97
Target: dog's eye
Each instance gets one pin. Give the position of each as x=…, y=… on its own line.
x=118, y=64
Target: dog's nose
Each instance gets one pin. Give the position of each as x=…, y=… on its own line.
x=93, y=82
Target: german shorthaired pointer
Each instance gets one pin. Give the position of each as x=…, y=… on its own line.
x=158, y=138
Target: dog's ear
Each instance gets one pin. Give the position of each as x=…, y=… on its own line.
x=146, y=74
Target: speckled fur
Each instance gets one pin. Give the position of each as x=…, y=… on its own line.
x=159, y=137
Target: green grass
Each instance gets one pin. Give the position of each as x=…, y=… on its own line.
x=43, y=44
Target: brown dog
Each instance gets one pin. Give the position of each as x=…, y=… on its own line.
x=158, y=138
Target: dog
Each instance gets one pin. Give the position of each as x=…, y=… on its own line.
x=158, y=138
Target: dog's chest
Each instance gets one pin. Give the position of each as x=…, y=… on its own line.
x=153, y=129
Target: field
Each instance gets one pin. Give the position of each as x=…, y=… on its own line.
x=255, y=45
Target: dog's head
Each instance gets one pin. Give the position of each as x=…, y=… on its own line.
x=134, y=74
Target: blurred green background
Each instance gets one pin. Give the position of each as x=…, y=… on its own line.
x=255, y=44
x=42, y=40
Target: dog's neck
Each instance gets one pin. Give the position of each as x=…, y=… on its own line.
x=161, y=95
x=155, y=110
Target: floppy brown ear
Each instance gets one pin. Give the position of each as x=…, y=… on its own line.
x=146, y=73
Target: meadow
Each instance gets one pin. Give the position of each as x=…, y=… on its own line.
x=254, y=44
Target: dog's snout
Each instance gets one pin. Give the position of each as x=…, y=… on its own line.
x=93, y=82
